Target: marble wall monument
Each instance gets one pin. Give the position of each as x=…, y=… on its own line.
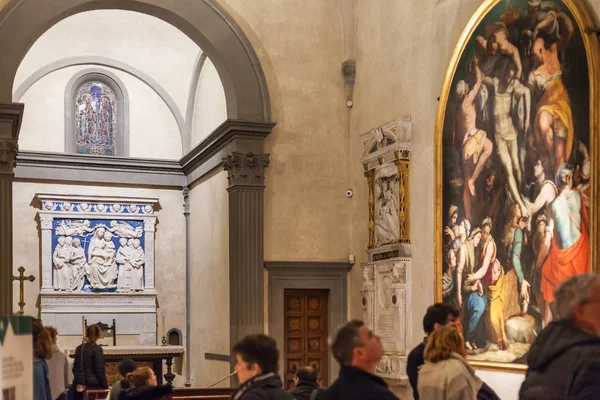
x=98, y=262
x=385, y=291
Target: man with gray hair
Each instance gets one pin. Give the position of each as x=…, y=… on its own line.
x=358, y=350
x=564, y=361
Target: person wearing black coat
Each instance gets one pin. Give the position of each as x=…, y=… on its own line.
x=306, y=385
x=148, y=393
x=564, y=361
x=358, y=350
x=89, y=370
x=256, y=366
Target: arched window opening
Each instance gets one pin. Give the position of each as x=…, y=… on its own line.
x=96, y=114
x=96, y=117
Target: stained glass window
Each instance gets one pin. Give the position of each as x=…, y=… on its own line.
x=96, y=117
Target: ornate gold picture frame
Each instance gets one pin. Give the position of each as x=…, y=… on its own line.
x=516, y=160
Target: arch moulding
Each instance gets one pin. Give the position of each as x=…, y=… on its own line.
x=205, y=22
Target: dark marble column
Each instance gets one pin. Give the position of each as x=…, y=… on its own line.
x=10, y=123
x=246, y=252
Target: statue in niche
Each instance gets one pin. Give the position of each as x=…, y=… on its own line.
x=60, y=258
x=124, y=230
x=125, y=267
x=102, y=267
x=78, y=265
x=387, y=223
x=137, y=260
x=74, y=228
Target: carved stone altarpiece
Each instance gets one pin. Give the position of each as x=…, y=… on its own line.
x=386, y=288
x=98, y=261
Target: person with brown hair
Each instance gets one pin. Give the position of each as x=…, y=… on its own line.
x=446, y=375
x=42, y=350
x=59, y=367
x=307, y=385
x=143, y=386
x=89, y=370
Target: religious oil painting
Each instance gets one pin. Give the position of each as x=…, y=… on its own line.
x=516, y=171
x=96, y=255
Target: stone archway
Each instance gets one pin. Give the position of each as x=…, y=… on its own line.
x=205, y=22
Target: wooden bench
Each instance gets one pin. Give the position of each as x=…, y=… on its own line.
x=178, y=393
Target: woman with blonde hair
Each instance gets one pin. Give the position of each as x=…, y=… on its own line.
x=143, y=386
x=446, y=375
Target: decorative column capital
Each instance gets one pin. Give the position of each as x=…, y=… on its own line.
x=11, y=116
x=8, y=155
x=246, y=169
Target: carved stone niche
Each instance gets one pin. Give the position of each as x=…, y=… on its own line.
x=386, y=161
x=385, y=299
x=98, y=262
x=385, y=292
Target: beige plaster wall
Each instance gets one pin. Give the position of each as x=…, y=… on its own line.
x=169, y=245
x=210, y=108
x=300, y=47
x=153, y=130
x=209, y=215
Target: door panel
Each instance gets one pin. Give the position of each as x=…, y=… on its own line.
x=305, y=332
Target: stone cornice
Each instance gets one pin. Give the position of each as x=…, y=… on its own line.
x=307, y=267
x=99, y=169
x=10, y=113
x=230, y=137
x=11, y=116
x=225, y=133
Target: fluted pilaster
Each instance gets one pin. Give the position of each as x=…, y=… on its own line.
x=10, y=123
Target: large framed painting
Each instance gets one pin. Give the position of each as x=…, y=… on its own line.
x=516, y=171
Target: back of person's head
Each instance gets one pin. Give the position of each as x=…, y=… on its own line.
x=42, y=343
x=126, y=366
x=141, y=377
x=53, y=332
x=93, y=334
x=575, y=299
x=346, y=340
x=438, y=315
x=442, y=342
x=307, y=375
x=259, y=349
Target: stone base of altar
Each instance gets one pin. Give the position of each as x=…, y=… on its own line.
x=149, y=356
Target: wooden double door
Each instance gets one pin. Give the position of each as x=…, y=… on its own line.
x=306, y=332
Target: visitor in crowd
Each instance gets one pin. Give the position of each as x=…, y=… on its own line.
x=88, y=366
x=142, y=385
x=42, y=350
x=437, y=315
x=256, y=365
x=564, y=361
x=446, y=375
x=358, y=350
x=307, y=386
x=125, y=367
x=59, y=368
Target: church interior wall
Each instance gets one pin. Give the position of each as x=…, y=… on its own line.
x=401, y=63
x=300, y=47
x=209, y=275
x=43, y=127
x=149, y=44
x=210, y=109
x=169, y=246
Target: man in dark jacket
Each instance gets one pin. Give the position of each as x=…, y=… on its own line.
x=257, y=360
x=437, y=315
x=358, y=350
x=564, y=361
x=307, y=387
